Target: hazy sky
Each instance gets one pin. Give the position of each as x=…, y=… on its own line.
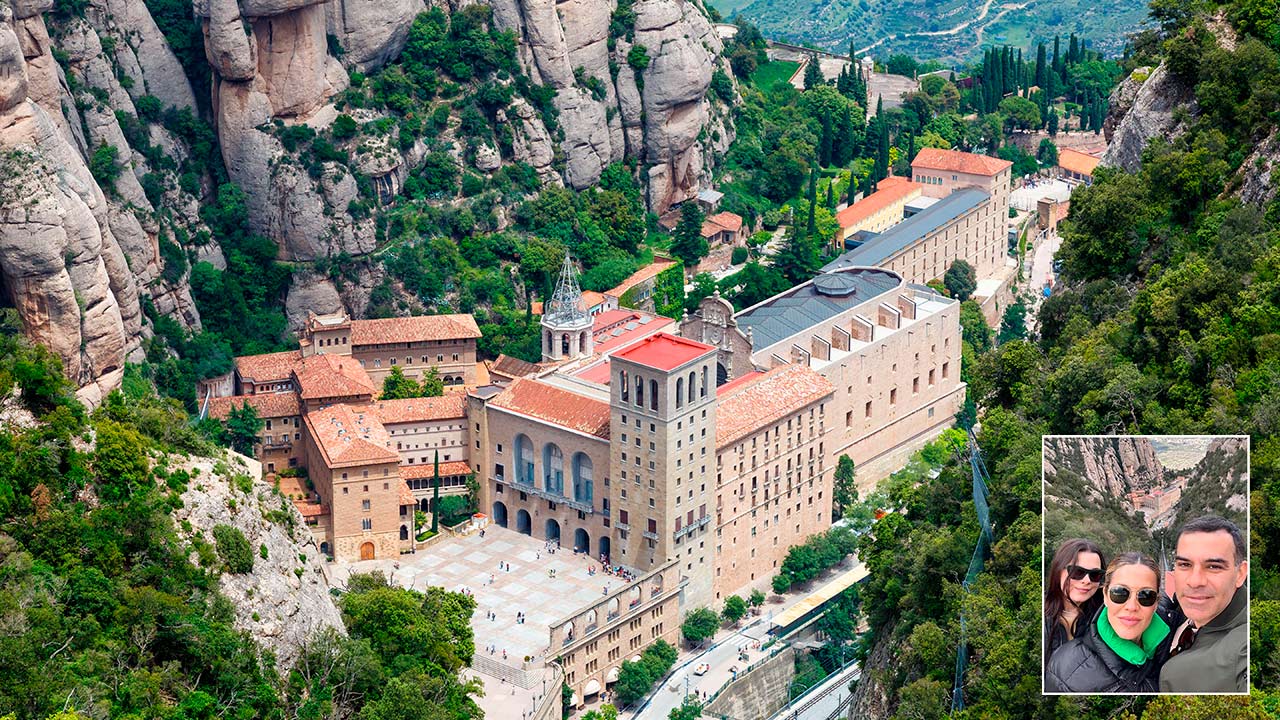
x=1180, y=453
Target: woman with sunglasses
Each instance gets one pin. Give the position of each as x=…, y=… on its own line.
x=1071, y=592
x=1123, y=647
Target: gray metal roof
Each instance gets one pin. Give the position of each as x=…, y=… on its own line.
x=911, y=230
x=806, y=305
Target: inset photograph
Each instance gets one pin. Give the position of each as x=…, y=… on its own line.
x=1146, y=563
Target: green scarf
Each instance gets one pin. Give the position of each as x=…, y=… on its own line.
x=1128, y=650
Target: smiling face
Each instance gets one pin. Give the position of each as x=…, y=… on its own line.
x=1206, y=574
x=1130, y=619
x=1078, y=591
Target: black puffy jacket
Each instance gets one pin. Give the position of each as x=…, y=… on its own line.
x=1087, y=665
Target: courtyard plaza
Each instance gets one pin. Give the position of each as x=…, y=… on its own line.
x=542, y=585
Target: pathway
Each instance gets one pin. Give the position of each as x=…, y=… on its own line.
x=986, y=7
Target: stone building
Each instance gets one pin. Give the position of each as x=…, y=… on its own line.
x=415, y=344
x=878, y=211
x=891, y=350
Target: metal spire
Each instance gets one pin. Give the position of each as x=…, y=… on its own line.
x=566, y=302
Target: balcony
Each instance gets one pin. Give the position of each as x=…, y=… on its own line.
x=687, y=529
x=554, y=497
x=649, y=535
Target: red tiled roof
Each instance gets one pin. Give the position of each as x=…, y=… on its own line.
x=555, y=405
x=413, y=329
x=406, y=495
x=268, y=367
x=332, y=376
x=427, y=470
x=268, y=405
x=618, y=328
x=513, y=367
x=1077, y=162
x=591, y=298
x=664, y=351
x=887, y=194
x=447, y=407
x=776, y=394
x=648, y=272
x=720, y=222
x=598, y=373
x=735, y=384
x=310, y=509
x=348, y=436
x=961, y=162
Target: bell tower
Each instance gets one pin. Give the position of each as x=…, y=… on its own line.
x=566, y=325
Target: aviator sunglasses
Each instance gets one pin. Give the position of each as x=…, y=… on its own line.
x=1075, y=572
x=1119, y=595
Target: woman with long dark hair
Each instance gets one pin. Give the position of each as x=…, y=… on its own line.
x=1121, y=648
x=1071, y=592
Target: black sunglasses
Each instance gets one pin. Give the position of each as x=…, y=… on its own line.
x=1119, y=595
x=1075, y=572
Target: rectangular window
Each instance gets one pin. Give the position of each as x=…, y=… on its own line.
x=944, y=370
x=364, y=505
x=893, y=396
x=931, y=378
x=653, y=525
x=915, y=385
x=366, y=524
x=622, y=517
x=867, y=411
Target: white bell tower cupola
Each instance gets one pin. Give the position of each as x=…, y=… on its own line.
x=566, y=324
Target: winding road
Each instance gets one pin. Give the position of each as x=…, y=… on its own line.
x=982, y=14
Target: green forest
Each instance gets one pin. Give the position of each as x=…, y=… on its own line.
x=1166, y=322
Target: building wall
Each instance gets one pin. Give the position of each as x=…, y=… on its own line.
x=281, y=443
x=979, y=237
x=884, y=395
x=881, y=220
x=451, y=358
x=417, y=442
x=344, y=490
x=600, y=636
x=667, y=489
x=773, y=490
x=499, y=485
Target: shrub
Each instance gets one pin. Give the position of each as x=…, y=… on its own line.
x=638, y=57
x=739, y=255
x=148, y=107
x=344, y=126
x=233, y=549
x=104, y=166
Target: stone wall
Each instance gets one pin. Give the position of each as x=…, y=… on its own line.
x=759, y=693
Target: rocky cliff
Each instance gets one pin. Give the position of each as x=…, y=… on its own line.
x=272, y=65
x=285, y=600
x=1111, y=466
x=80, y=251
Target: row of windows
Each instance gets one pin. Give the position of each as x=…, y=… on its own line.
x=686, y=391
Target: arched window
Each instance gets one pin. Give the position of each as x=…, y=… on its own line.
x=653, y=394
x=553, y=466
x=623, y=381
x=693, y=379
x=679, y=392
x=704, y=381
x=524, y=460
x=564, y=344
x=639, y=391
x=582, y=478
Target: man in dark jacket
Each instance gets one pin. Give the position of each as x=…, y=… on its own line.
x=1209, y=652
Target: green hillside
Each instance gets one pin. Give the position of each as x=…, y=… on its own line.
x=831, y=24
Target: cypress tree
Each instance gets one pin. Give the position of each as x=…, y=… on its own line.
x=1041, y=70
x=852, y=192
x=831, y=198
x=1073, y=52
x=882, y=153
x=1019, y=78
x=845, y=138
x=1053, y=122
x=911, y=147
x=812, y=73
x=824, y=143
x=813, y=201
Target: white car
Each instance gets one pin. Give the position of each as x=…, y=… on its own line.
x=701, y=669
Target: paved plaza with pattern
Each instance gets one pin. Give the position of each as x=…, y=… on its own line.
x=459, y=563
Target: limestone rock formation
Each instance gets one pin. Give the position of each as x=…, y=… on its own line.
x=1151, y=114
x=661, y=114
x=1111, y=466
x=285, y=600
x=59, y=261
x=371, y=32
